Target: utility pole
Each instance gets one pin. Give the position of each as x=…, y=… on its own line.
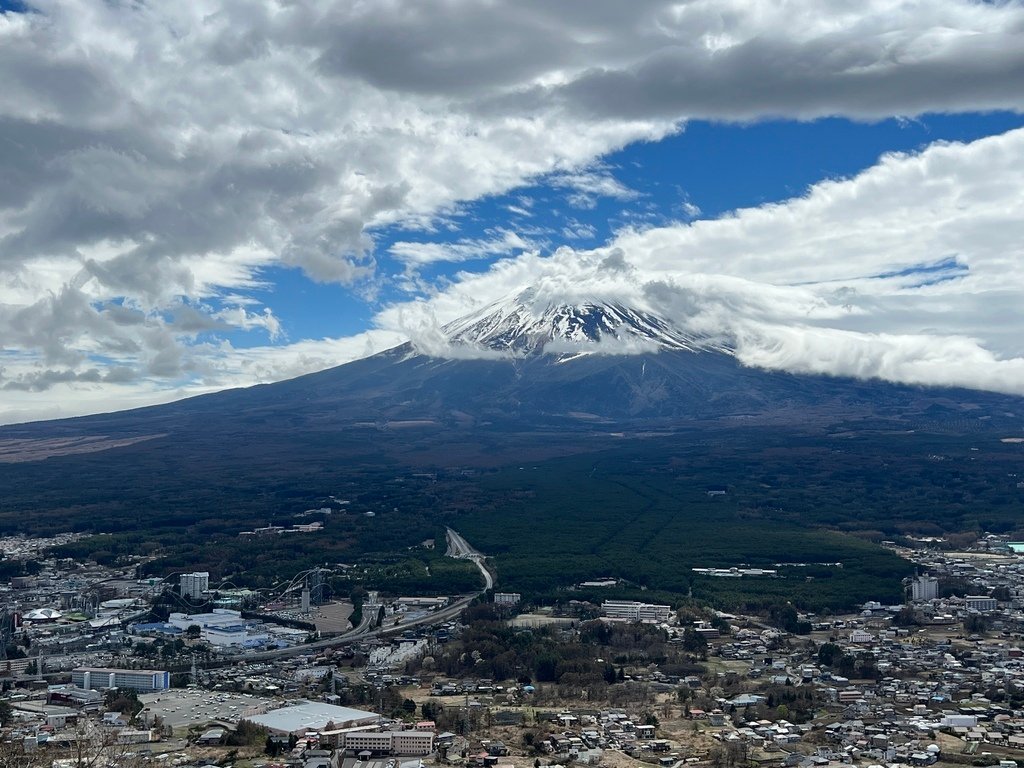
x=6, y=631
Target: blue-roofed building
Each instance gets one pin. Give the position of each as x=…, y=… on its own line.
x=156, y=628
x=222, y=627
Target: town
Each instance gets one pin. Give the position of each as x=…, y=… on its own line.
x=176, y=671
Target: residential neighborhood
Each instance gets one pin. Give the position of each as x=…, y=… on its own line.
x=938, y=678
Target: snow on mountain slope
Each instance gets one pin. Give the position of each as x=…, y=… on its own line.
x=521, y=326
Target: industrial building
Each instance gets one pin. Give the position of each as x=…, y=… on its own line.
x=223, y=627
x=313, y=716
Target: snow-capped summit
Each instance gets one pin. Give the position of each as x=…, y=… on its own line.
x=520, y=325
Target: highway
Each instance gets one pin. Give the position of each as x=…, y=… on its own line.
x=458, y=547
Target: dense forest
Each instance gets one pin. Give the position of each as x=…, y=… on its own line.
x=644, y=509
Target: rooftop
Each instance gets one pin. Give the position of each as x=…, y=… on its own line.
x=310, y=715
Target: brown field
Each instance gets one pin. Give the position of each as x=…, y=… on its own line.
x=21, y=450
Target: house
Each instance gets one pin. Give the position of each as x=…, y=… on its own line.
x=746, y=700
x=496, y=749
x=114, y=719
x=212, y=737
x=644, y=731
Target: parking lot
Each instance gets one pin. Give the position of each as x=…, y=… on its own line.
x=188, y=706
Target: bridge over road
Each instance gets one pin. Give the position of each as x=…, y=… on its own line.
x=459, y=548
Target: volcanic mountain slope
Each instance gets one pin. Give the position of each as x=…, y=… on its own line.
x=513, y=385
x=517, y=365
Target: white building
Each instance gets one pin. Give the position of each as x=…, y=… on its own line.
x=194, y=585
x=313, y=716
x=507, y=598
x=223, y=627
x=630, y=610
x=980, y=603
x=400, y=743
x=141, y=680
x=859, y=637
x=959, y=721
x=924, y=588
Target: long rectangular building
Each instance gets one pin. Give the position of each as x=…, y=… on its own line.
x=630, y=610
x=400, y=743
x=141, y=680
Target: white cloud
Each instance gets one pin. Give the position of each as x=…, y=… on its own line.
x=909, y=272
x=929, y=360
x=951, y=201
x=503, y=242
x=578, y=230
x=690, y=210
x=242, y=367
x=163, y=155
x=589, y=184
x=610, y=345
x=31, y=393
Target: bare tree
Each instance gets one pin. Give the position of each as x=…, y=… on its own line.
x=90, y=746
x=14, y=756
x=730, y=755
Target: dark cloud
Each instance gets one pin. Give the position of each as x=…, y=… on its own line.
x=466, y=49
x=647, y=60
x=191, y=320
x=775, y=77
x=42, y=380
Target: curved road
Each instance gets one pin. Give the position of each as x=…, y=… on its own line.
x=458, y=547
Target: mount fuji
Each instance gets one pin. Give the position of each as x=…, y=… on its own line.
x=521, y=381
x=521, y=326
x=524, y=364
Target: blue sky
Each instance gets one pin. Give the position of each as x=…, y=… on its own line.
x=216, y=194
x=717, y=167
